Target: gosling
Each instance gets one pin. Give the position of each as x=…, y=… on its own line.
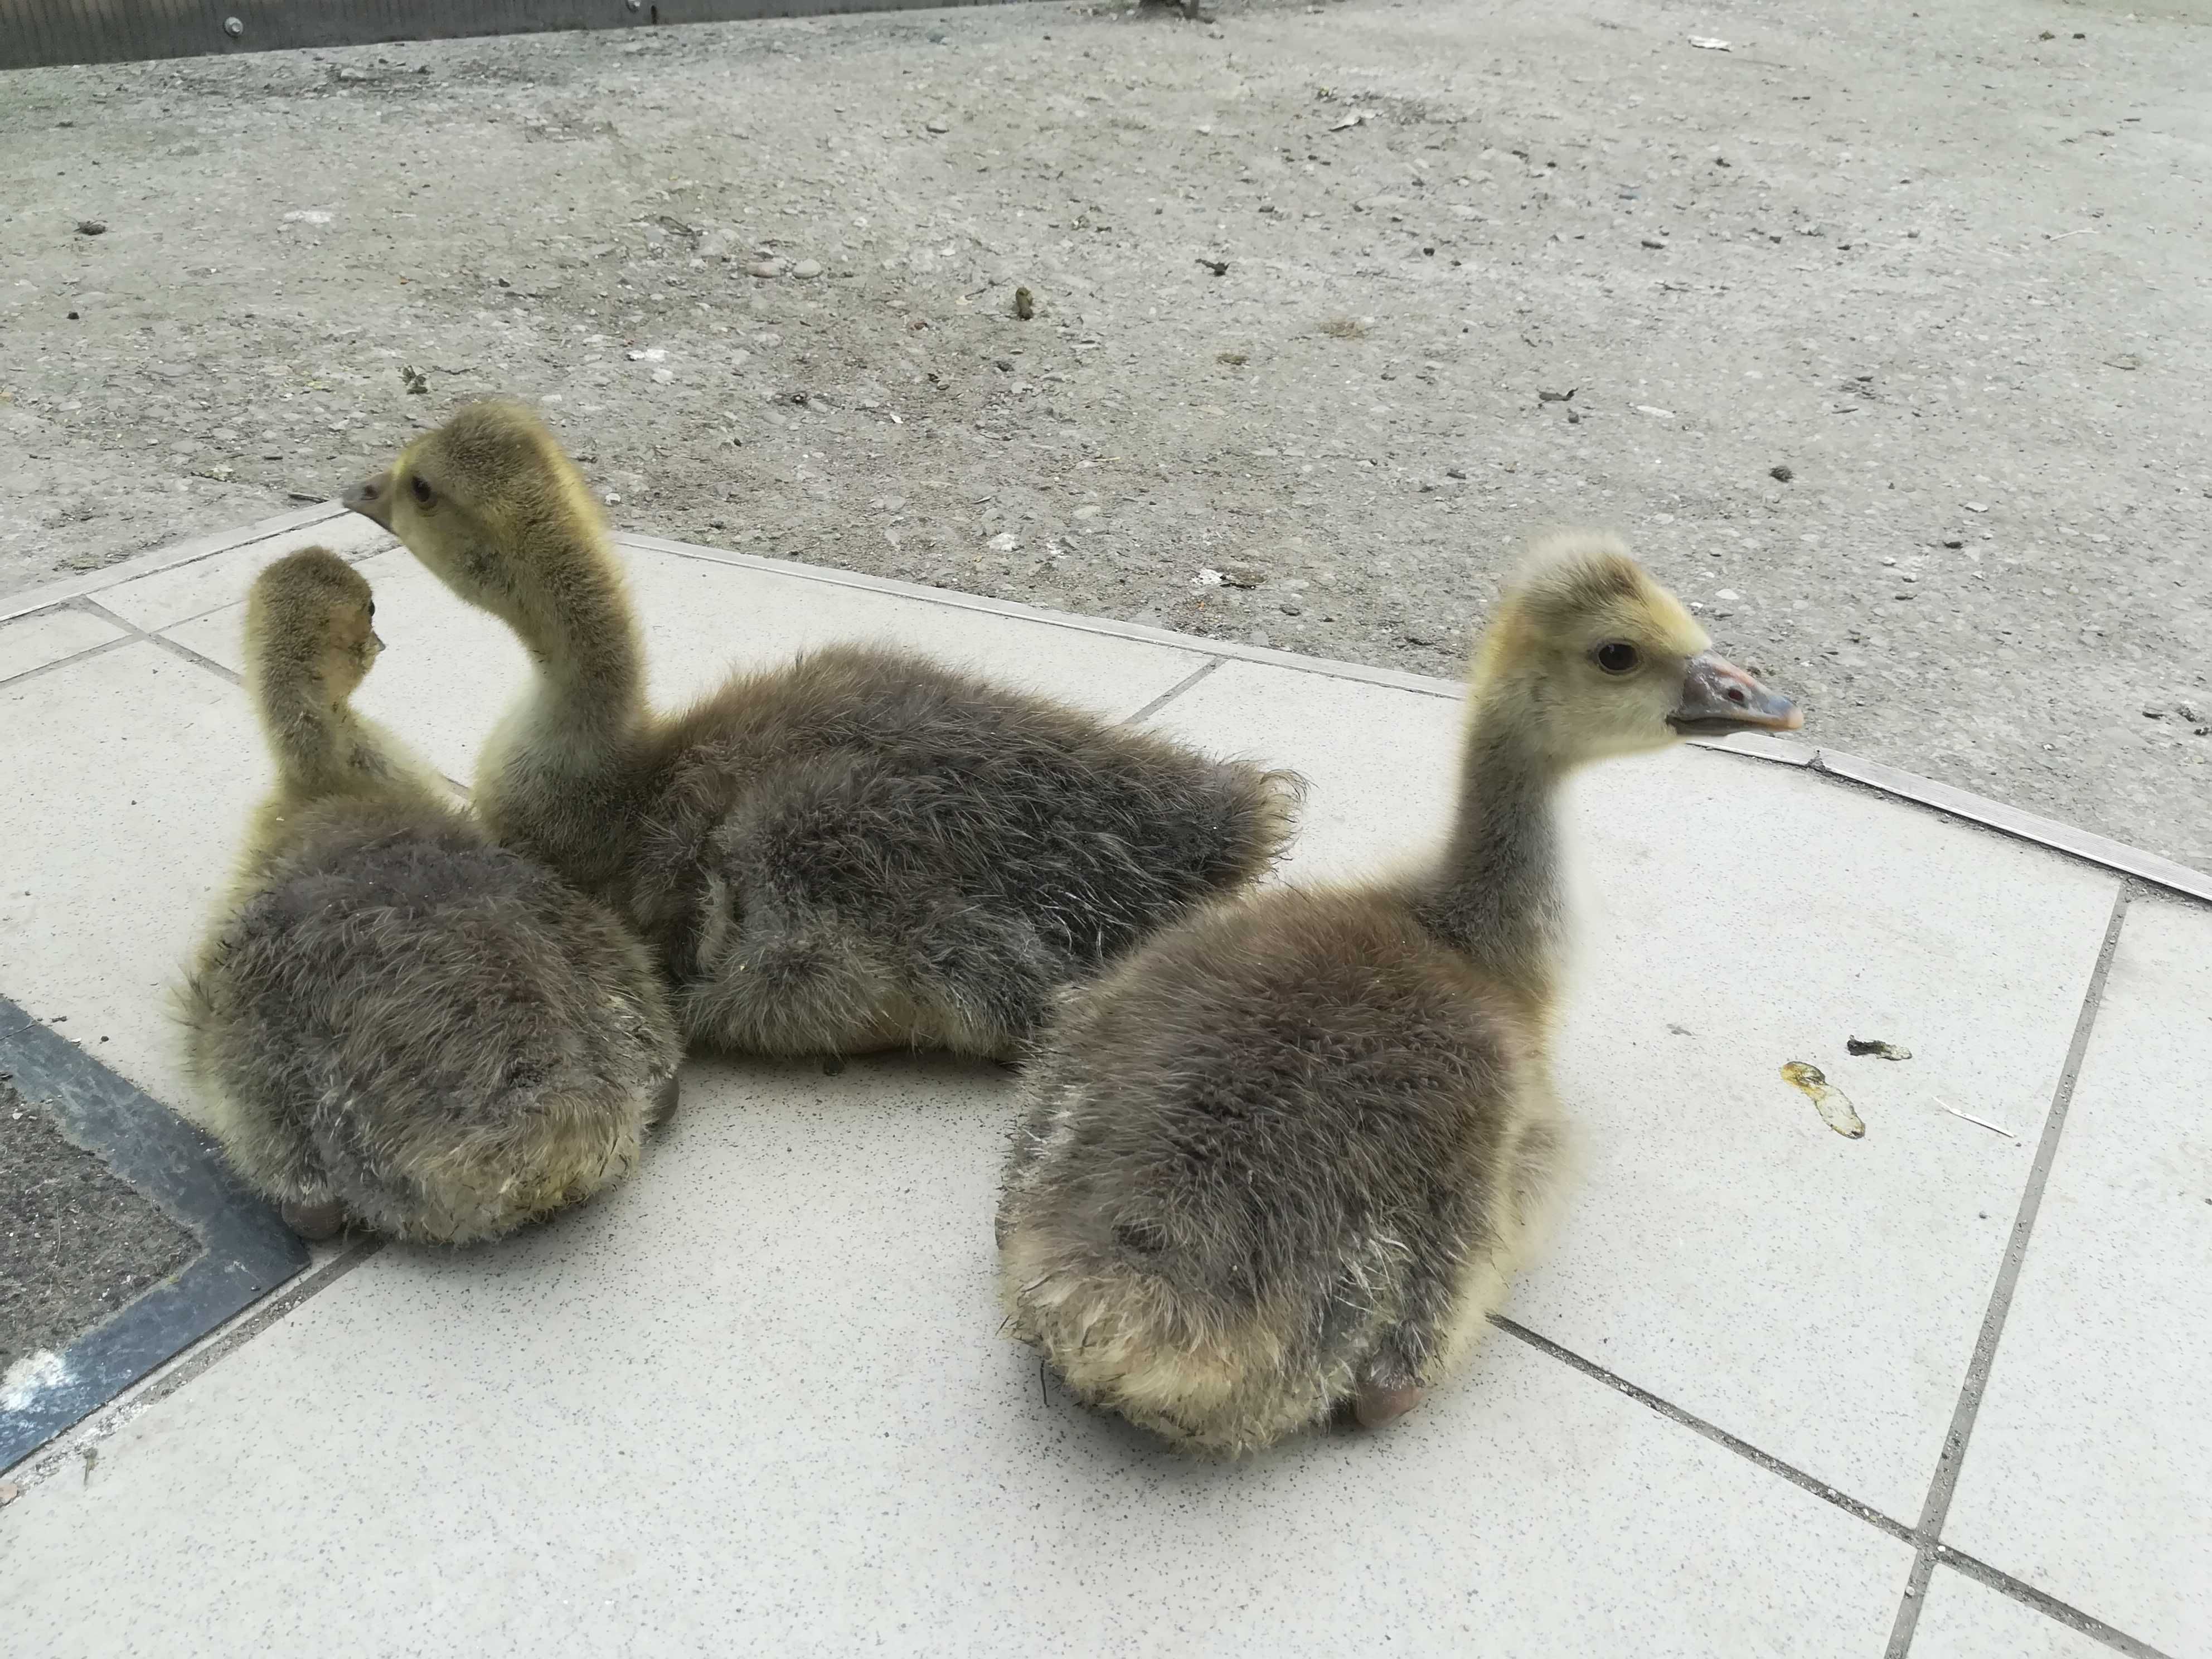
x=862, y=851
x=395, y=1024
x=1282, y=1158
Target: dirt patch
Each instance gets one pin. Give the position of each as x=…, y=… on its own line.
x=1299, y=283
x=77, y=1245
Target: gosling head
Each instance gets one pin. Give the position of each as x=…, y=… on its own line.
x=1600, y=660
x=489, y=502
x=310, y=626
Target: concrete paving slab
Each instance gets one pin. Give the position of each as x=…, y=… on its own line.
x=447, y=672
x=702, y=618
x=35, y=642
x=130, y=777
x=80, y=584
x=757, y=1399
x=2089, y=1474
x=167, y=597
x=1816, y=1296
x=1379, y=760
x=1963, y=1620
x=451, y=670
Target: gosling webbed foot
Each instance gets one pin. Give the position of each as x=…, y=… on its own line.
x=665, y=1101
x=314, y=1221
x=1373, y=1407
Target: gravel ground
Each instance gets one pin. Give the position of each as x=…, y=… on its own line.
x=1882, y=334
x=75, y=1243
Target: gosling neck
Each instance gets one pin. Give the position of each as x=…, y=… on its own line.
x=583, y=642
x=321, y=747
x=1496, y=894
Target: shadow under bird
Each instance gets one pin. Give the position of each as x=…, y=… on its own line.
x=1282, y=1159
x=395, y=1024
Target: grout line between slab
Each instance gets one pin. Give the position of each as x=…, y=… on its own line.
x=94, y=607
x=1720, y=1436
x=1937, y=1510
x=952, y=599
x=218, y=1346
x=187, y=654
x=2005, y=1584
x=99, y=650
x=2044, y=1602
x=48, y=595
x=2013, y=821
x=1173, y=692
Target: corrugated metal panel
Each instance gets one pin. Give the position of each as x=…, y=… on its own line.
x=39, y=32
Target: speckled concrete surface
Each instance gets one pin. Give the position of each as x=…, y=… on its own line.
x=757, y=1402
x=758, y=1398
x=2088, y=1471
x=1968, y=1620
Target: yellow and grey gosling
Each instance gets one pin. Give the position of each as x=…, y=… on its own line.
x=1282, y=1159
x=860, y=851
x=397, y=1024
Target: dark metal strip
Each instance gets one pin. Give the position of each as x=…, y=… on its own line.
x=246, y=1251
x=35, y=33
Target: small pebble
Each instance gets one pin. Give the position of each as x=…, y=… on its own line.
x=1780, y=474
x=939, y=123
x=807, y=270
x=91, y=228
x=765, y=268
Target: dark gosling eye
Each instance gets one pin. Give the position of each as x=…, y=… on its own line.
x=371, y=610
x=1617, y=657
x=422, y=490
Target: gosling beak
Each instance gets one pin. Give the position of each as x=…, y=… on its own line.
x=1718, y=697
x=372, y=499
